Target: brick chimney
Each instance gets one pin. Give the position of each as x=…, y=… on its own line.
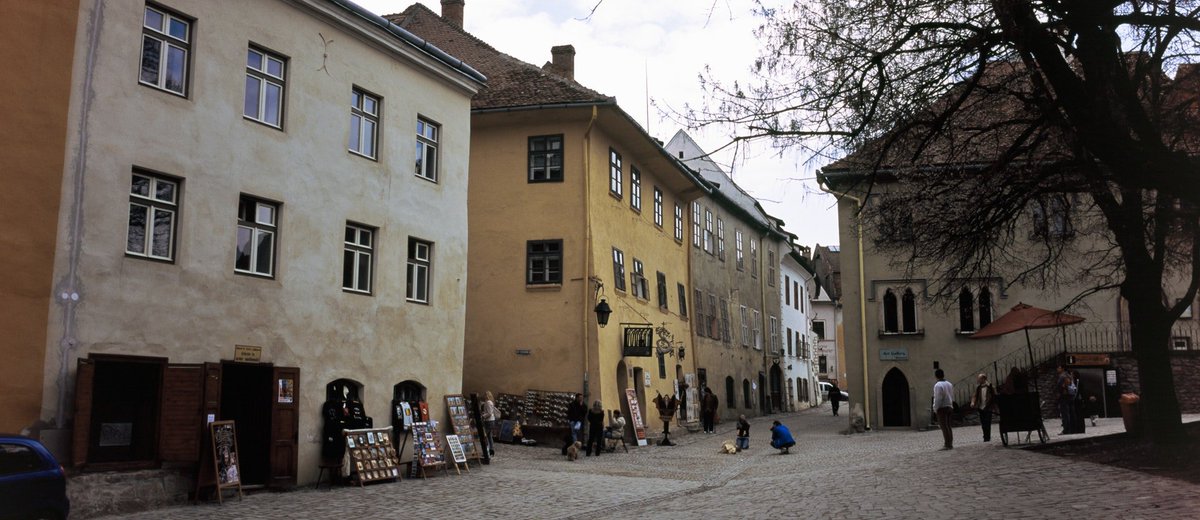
x=452, y=11
x=563, y=57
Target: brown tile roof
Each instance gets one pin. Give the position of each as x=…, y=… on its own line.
x=511, y=82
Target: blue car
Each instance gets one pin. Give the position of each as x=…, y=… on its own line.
x=32, y=483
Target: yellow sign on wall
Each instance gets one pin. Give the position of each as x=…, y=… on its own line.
x=247, y=353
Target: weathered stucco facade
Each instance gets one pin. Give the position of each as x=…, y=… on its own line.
x=191, y=305
x=32, y=140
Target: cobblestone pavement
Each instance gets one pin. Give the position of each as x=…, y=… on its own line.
x=880, y=474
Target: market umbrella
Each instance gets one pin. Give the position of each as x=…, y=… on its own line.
x=1025, y=317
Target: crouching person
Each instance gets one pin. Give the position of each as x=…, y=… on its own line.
x=781, y=437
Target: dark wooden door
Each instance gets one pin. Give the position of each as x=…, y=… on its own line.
x=212, y=393
x=85, y=374
x=181, y=417
x=285, y=426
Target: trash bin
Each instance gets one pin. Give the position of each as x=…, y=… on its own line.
x=1130, y=404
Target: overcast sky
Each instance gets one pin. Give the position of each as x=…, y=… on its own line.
x=627, y=45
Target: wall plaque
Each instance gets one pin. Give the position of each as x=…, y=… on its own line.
x=893, y=354
x=247, y=353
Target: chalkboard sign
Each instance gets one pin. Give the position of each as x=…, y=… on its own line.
x=223, y=472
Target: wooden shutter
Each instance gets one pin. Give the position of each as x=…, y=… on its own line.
x=85, y=375
x=285, y=426
x=181, y=415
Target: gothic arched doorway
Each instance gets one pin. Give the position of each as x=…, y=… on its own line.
x=895, y=399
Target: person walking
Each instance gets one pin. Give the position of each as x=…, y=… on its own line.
x=1066, y=390
x=708, y=410
x=943, y=405
x=595, y=438
x=835, y=396
x=781, y=438
x=743, y=433
x=984, y=400
x=490, y=415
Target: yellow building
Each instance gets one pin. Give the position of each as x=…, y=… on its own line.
x=571, y=203
x=34, y=100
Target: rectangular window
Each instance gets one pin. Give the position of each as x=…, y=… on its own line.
x=753, y=258
x=256, y=234
x=420, y=261
x=635, y=189
x=678, y=223
x=546, y=158
x=166, y=46
x=739, y=255
x=796, y=292
x=708, y=231
x=789, y=341
x=721, y=239
x=822, y=365
x=757, y=324
x=615, y=176
x=771, y=267
x=264, y=87
x=683, y=310
x=543, y=262
x=658, y=207
x=726, y=335
x=773, y=322
x=696, y=224
x=364, y=122
x=745, y=326
x=662, y=290
x=618, y=269
x=357, y=255
x=153, y=205
x=637, y=279
x=427, y=149
x=701, y=326
x=787, y=290
x=819, y=329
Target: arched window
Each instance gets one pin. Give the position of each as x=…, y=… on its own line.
x=343, y=390
x=966, y=311
x=409, y=391
x=730, y=402
x=985, y=307
x=746, y=394
x=910, y=310
x=891, y=321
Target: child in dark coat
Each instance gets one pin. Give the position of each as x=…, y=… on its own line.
x=743, y=433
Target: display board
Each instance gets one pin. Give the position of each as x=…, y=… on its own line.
x=545, y=408
x=219, y=467
x=462, y=425
x=372, y=457
x=510, y=405
x=427, y=448
x=457, y=456
x=635, y=414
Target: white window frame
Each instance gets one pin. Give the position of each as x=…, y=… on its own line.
x=166, y=40
x=428, y=136
x=618, y=269
x=708, y=231
x=753, y=258
x=419, y=271
x=658, y=207
x=757, y=324
x=773, y=323
x=678, y=223
x=358, y=255
x=153, y=205
x=264, y=223
x=739, y=255
x=615, y=175
x=362, y=118
x=696, y=224
x=640, y=287
x=635, y=189
x=720, y=239
x=265, y=78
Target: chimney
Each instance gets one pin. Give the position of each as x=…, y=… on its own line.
x=563, y=57
x=452, y=11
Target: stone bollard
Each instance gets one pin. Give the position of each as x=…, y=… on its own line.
x=857, y=423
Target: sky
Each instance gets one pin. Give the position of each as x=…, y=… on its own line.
x=631, y=48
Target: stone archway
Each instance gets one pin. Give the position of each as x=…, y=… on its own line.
x=895, y=399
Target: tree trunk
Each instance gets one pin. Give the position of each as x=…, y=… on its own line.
x=1150, y=330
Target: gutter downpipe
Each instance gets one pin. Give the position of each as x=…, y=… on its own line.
x=862, y=303
x=589, y=265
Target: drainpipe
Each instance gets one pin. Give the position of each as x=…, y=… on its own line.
x=68, y=289
x=588, y=291
x=862, y=305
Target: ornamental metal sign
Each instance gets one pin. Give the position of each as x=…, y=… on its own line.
x=639, y=341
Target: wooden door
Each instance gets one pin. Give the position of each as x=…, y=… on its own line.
x=85, y=374
x=212, y=394
x=285, y=426
x=181, y=417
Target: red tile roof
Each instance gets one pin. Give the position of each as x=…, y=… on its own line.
x=511, y=82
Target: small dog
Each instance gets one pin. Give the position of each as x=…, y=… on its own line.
x=573, y=451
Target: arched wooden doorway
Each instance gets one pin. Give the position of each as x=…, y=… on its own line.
x=895, y=399
x=776, y=403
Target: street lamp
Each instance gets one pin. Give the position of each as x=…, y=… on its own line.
x=602, y=312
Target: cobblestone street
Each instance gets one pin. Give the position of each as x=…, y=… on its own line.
x=882, y=474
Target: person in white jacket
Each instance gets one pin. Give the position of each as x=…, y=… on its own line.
x=943, y=406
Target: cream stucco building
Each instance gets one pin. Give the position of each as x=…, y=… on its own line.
x=243, y=229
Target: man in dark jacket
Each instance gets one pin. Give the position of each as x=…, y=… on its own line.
x=835, y=396
x=708, y=410
x=576, y=413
